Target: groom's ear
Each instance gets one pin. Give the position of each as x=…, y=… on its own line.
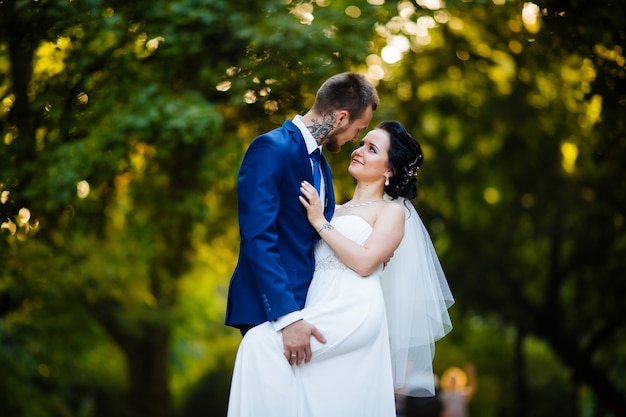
x=342, y=118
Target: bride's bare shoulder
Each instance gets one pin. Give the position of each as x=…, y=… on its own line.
x=393, y=208
x=391, y=213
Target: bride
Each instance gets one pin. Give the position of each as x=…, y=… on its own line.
x=378, y=296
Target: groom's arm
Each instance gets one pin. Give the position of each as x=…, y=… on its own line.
x=259, y=206
x=284, y=321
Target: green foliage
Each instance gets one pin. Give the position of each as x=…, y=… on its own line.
x=122, y=125
x=514, y=181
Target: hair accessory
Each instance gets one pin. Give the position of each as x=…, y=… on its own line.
x=409, y=171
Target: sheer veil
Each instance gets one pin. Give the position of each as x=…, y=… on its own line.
x=417, y=298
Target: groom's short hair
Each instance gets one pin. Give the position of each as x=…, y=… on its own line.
x=346, y=91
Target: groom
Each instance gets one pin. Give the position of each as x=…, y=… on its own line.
x=276, y=263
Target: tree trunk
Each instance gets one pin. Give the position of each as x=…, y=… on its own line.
x=146, y=348
x=521, y=394
x=606, y=393
x=147, y=358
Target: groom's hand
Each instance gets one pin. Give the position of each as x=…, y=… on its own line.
x=297, y=341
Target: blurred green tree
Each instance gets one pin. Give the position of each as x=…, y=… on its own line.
x=520, y=109
x=122, y=127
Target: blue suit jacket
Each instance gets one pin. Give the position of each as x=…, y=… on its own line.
x=275, y=263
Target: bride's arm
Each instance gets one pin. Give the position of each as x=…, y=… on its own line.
x=387, y=233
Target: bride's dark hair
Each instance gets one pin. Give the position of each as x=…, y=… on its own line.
x=405, y=158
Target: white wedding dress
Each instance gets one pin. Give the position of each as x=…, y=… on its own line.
x=380, y=330
x=350, y=375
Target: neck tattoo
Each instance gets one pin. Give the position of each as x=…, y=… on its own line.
x=321, y=129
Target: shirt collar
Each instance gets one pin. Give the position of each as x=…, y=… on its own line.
x=309, y=141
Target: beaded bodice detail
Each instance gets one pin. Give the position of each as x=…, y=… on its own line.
x=329, y=262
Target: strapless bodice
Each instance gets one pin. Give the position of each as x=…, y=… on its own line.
x=354, y=227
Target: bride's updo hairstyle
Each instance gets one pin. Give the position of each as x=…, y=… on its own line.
x=405, y=158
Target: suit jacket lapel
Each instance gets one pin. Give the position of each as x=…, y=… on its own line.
x=296, y=135
x=328, y=178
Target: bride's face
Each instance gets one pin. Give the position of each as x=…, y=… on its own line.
x=370, y=161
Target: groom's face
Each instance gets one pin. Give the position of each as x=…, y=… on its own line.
x=348, y=130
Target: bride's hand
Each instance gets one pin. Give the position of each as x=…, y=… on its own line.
x=313, y=205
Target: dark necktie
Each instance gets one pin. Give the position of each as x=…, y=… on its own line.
x=317, y=177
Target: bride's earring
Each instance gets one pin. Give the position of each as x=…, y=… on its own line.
x=386, y=181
